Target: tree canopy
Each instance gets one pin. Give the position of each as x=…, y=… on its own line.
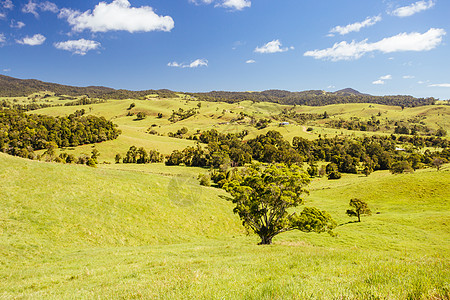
x=265, y=197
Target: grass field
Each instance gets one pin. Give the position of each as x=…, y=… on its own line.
x=76, y=232
x=131, y=231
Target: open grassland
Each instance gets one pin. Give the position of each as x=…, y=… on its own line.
x=76, y=232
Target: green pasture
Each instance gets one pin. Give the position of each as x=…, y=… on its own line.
x=74, y=232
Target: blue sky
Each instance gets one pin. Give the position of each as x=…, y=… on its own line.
x=381, y=47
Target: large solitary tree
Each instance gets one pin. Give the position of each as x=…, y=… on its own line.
x=265, y=197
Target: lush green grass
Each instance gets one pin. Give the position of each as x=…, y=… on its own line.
x=75, y=232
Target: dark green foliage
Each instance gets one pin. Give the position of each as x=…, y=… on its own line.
x=85, y=101
x=399, y=167
x=204, y=179
x=359, y=208
x=141, y=116
x=160, y=115
x=334, y=175
x=311, y=98
x=132, y=105
x=13, y=87
x=264, y=196
x=20, y=131
x=140, y=156
x=117, y=158
x=181, y=114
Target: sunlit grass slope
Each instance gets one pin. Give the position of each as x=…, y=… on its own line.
x=76, y=232
x=52, y=206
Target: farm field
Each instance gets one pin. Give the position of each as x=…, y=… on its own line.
x=77, y=232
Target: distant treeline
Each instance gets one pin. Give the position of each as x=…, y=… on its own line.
x=21, y=134
x=13, y=87
x=312, y=98
x=24, y=107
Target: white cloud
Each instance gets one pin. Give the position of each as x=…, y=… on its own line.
x=402, y=42
x=2, y=16
x=250, y=61
x=412, y=9
x=272, y=47
x=49, y=6
x=2, y=39
x=369, y=21
x=6, y=70
x=17, y=25
x=386, y=77
x=379, y=81
x=408, y=77
x=231, y=4
x=444, y=85
x=80, y=46
x=236, y=4
x=35, y=40
x=7, y=4
x=201, y=62
x=118, y=15
x=32, y=7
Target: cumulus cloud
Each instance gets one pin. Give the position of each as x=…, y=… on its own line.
x=236, y=4
x=2, y=39
x=17, y=25
x=406, y=11
x=7, y=4
x=402, y=42
x=250, y=61
x=32, y=7
x=231, y=4
x=444, y=85
x=379, y=82
x=80, y=46
x=342, y=30
x=35, y=40
x=272, y=47
x=2, y=16
x=386, y=77
x=118, y=15
x=201, y=62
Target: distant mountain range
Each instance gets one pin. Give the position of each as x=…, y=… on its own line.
x=14, y=87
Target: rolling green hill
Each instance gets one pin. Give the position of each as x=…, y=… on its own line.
x=76, y=232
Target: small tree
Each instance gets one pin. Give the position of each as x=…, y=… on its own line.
x=359, y=208
x=263, y=196
x=437, y=163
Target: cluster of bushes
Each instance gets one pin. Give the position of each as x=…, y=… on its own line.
x=50, y=156
x=139, y=156
x=21, y=134
x=300, y=118
x=182, y=114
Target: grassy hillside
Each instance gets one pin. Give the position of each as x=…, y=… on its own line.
x=75, y=232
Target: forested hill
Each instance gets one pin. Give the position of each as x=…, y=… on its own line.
x=314, y=98
x=13, y=87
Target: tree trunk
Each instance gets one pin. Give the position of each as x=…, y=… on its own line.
x=265, y=240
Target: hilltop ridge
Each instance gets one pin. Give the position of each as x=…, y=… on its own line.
x=14, y=87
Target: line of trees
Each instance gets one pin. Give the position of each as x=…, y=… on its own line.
x=344, y=154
